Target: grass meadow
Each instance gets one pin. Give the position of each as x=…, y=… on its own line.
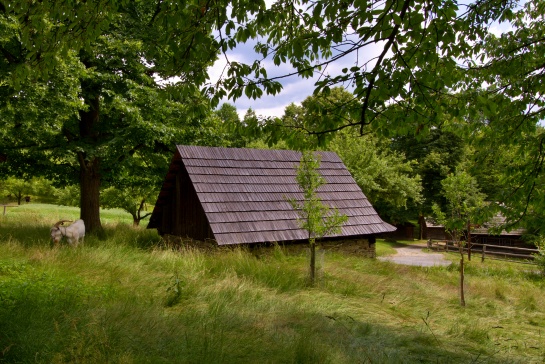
x=127, y=298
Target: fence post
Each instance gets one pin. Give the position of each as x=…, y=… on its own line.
x=484, y=253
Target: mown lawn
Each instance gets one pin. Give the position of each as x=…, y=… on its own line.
x=129, y=299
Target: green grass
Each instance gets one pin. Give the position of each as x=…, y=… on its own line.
x=122, y=300
x=385, y=247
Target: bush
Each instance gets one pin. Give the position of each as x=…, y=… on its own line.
x=68, y=196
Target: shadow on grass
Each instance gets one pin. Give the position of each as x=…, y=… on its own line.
x=44, y=327
x=393, y=243
x=27, y=236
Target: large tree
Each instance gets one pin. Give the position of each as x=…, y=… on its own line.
x=101, y=104
x=434, y=156
x=389, y=181
x=405, y=54
x=505, y=83
x=418, y=67
x=412, y=61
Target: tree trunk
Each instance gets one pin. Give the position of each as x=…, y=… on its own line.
x=90, y=195
x=138, y=216
x=462, y=297
x=468, y=241
x=312, y=262
x=90, y=164
x=421, y=223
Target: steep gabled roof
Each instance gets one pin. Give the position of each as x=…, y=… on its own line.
x=244, y=194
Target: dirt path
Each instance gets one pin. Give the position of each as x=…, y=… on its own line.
x=414, y=255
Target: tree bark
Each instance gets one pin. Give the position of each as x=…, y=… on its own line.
x=90, y=164
x=421, y=222
x=468, y=241
x=90, y=195
x=312, y=263
x=462, y=296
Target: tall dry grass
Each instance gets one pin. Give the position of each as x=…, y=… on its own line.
x=123, y=300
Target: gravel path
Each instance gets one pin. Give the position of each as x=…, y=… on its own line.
x=414, y=255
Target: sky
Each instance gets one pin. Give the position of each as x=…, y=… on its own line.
x=295, y=89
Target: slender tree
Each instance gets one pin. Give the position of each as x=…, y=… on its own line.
x=16, y=188
x=464, y=204
x=315, y=217
x=132, y=200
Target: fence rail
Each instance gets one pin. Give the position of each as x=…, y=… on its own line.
x=6, y=206
x=487, y=251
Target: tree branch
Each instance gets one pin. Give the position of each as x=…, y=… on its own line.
x=374, y=73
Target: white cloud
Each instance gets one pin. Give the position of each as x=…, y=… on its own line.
x=499, y=28
x=295, y=89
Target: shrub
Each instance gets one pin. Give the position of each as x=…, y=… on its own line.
x=68, y=196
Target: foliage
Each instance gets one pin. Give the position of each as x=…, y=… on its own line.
x=16, y=188
x=68, y=195
x=539, y=258
x=388, y=180
x=435, y=156
x=93, y=111
x=130, y=199
x=315, y=217
x=417, y=45
x=300, y=126
x=464, y=202
x=37, y=188
x=44, y=191
x=506, y=99
x=523, y=197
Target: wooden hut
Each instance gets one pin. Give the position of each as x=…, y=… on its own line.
x=435, y=231
x=239, y=196
x=404, y=231
x=487, y=234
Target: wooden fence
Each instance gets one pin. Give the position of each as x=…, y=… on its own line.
x=487, y=251
x=6, y=206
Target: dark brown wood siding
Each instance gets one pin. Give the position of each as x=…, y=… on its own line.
x=182, y=214
x=192, y=221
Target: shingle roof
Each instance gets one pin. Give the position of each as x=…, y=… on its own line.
x=244, y=194
x=493, y=224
